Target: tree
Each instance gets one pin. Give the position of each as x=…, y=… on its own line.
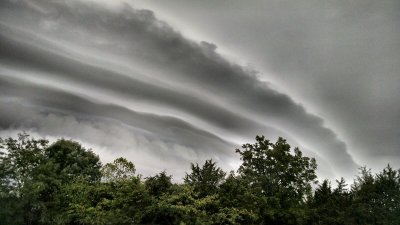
x=119, y=198
x=281, y=180
x=377, y=198
x=364, y=198
x=120, y=169
x=178, y=207
x=158, y=184
x=70, y=160
x=331, y=206
x=205, y=179
x=34, y=176
x=121, y=201
x=388, y=189
x=19, y=160
x=237, y=201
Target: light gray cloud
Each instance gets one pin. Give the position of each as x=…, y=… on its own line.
x=340, y=59
x=190, y=79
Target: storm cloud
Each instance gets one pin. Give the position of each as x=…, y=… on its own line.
x=339, y=59
x=120, y=72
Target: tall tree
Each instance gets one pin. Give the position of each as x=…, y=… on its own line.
x=331, y=206
x=119, y=198
x=70, y=160
x=119, y=169
x=19, y=160
x=65, y=162
x=205, y=179
x=159, y=184
x=280, y=178
x=377, y=198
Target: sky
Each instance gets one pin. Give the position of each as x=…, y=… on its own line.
x=167, y=83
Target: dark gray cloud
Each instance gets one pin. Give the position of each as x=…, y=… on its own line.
x=25, y=56
x=76, y=51
x=41, y=101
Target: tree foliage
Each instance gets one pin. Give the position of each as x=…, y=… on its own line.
x=120, y=169
x=205, y=179
x=280, y=179
x=159, y=184
x=64, y=183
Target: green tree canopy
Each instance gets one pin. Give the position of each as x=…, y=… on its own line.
x=280, y=178
x=70, y=160
x=120, y=169
x=205, y=179
x=64, y=183
x=159, y=184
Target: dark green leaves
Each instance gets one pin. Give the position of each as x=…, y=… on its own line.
x=205, y=179
x=64, y=183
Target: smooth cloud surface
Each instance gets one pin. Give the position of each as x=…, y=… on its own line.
x=339, y=58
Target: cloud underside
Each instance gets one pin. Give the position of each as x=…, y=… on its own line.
x=77, y=69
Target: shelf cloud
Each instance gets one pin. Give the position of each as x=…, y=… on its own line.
x=130, y=84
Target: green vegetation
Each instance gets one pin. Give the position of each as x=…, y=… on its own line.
x=64, y=183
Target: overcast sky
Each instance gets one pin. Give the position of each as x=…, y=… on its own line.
x=166, y=83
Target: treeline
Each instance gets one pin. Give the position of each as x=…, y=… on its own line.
x=64, y=183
